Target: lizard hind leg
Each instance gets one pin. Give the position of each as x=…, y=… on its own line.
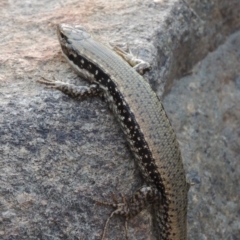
x=141, y=199
x=121, y=209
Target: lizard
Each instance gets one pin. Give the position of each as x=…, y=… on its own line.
x=116, y=76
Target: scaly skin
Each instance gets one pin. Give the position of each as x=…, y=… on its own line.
x=145, y=124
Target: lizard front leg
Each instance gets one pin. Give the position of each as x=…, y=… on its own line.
x=138, y=64
x=77, y=92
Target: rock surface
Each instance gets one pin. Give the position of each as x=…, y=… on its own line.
x=205, y=111
x=56, y=154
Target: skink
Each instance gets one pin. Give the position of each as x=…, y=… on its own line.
x=145, y=123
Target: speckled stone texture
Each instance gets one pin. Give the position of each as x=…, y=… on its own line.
x=205, y=111
x=56, y=153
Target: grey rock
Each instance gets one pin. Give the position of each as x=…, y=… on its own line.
x=57, y=154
